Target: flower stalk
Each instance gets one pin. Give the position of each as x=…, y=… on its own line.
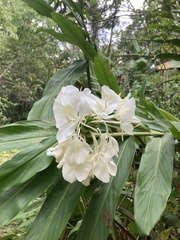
x=121, y=134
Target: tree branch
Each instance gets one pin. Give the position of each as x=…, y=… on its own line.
x=8, y=68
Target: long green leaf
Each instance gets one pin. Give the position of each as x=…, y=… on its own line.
x=43, y=109
x=175, y=128
x=75, y=6
x=104, y=75
x=25, y=133
x=100, y=212
x=60, y=36
x=25, y=164
x=73, y=32
x=154, y=180
x=56, y=211
x=21, y=195
x=40, y=6
x=76, y=11
x=152, y=116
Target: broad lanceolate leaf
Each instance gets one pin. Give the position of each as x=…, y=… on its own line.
x=76, y=35
x=100, y=212
x=56, y=211
x=24, y=165
x=104, y=74
x=154, y=180
x=21, y=195
x=23, y=134
x=43, y=109
x=40, y=6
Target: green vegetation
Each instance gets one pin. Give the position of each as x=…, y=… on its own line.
x=46, y=45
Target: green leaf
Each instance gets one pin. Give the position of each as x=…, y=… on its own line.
x=21, y=195
x=74, y=6
x=76, y=11
x=100, y=212
x=173, y=42
x=154, y=179
x=56, y=211
x=43, y=109
x=153, y=115
x=60, y=36
x=40, y=6
x=22, y=134
x=165, y=56
x=175, y=128
x=24, y=165
x=74, y=33
x=136, y=45
x=168, y=115
x=104, y=74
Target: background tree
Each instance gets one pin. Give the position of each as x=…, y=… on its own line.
x=28, y=59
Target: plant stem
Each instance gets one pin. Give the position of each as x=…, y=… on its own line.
x=114, y=231
x=89, y=76
x=121, y=134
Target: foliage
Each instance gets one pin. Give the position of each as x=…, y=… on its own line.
x=138, y=201
x=28, y=59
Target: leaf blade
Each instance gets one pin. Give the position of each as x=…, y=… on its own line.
x=25, y=164
x=153, y=182
x=104, y=75
x=56, y=211
x=20, y=196
x=40, y=6
x=61, y=78
x=73, y=32
x=22, y=134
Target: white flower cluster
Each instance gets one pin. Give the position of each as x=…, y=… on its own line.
x=80, y=117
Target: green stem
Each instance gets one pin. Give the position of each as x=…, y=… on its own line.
x=89, y=76
x=114, y=231
x=120, y=134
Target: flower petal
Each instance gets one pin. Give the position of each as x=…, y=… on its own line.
x=65, y=131
x=101, y=172
x=127, y=128
x=112, y=168
x=69, y=173
x=82, y=171
x=77, y=151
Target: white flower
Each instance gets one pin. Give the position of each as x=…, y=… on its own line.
x=70, y=108
x=58, y=151
x=73, y=157
x=78, y=114
x=125, y=113
x=102, y=158
x=75, y=163
x=105, y=105
x=111, y=99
